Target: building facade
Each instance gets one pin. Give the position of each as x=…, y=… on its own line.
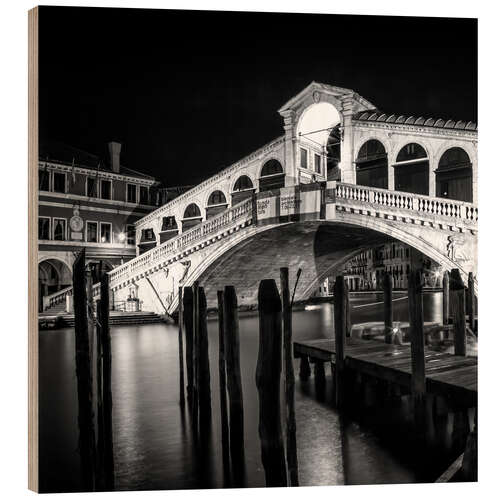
x=90, y=202
x=366, y=270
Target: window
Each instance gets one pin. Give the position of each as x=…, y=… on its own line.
x=317, y=164
x=60, y=229
x=271, y=167
x=105, y=189
x=131, y=193
x=59, y=182
x=43, y=180
x=216, y=198
x=143, y=195
x=44, y=228
x=192, y=210
x=149, y=234
x=243, y=183
x=130, y=234
x=105, y=232
x=91, y=190
x=92, y=232
x=303, y=158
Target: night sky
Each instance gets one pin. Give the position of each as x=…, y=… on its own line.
x=190, y=92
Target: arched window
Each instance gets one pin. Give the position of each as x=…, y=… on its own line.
x=243, y=189
x=216, y=198
x=192, y=210
x=216, y=203
x=243, y=183
x=271, y=167
x=371, y=165
x=147, y=241
x=192, y=216
x=411, y=170
x=271, y=176
x=454, y=175
x=412, y=151
x=169, y=228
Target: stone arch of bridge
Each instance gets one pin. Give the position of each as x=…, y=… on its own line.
x=320, y=248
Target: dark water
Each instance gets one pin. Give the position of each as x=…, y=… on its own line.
x=153, y=445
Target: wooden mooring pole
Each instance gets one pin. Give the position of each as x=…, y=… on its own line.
x=268, y=380
x=204, y=394
x=187, y=312
x=471, y=302
x=446, y=300
x=291, y=426
x=347, y=310
x=196, y=351
x=235, y=393
x=457, y=303
x=86, y=441
x=388, y=314
x=339, y=298
x=416, y=317
x=181, y=352
x=107, y=395
x=222, y=386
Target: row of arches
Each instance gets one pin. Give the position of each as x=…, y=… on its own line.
x=272, y=176
x=412, y=170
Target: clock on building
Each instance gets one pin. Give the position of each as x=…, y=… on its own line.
x=76, y=225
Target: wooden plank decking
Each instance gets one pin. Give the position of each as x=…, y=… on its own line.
x=446, y=374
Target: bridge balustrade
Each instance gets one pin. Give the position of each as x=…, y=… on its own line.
x=197, y=234
x=408, y=201
x=345, y=194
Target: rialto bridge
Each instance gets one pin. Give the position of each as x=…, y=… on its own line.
x=344, y=177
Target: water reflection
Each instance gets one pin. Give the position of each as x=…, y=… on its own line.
x=153, y=440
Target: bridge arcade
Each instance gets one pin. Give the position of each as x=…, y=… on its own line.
x=332, y=133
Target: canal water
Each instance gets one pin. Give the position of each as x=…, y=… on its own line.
x=153, y=446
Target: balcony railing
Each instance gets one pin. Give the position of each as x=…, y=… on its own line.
x=425, y=205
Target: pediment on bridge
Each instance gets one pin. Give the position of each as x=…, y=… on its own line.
x=320, y=92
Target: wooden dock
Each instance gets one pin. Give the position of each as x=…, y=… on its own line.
x=446, y=374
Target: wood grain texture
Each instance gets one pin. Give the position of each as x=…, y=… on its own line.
x=33, y=482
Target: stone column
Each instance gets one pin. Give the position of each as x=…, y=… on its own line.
x=390, y=175
x=290, y=170
x=347, y=165
x=432, y=176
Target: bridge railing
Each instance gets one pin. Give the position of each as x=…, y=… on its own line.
x=427, y=205
x=60, y=296
x=224, y=220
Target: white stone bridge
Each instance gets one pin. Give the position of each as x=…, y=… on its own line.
x=315, y=227
x=344, y=177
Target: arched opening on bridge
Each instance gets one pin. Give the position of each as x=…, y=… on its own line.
x=333, y=154
x=216, y=203
x=169, y=228
x=454, y=175
x=372, y=165
x=53, y=275
x=147, y=241
x=319, y=139
x=411, y=170
x=272, y=176
x=192, y=216
x=243, y=188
